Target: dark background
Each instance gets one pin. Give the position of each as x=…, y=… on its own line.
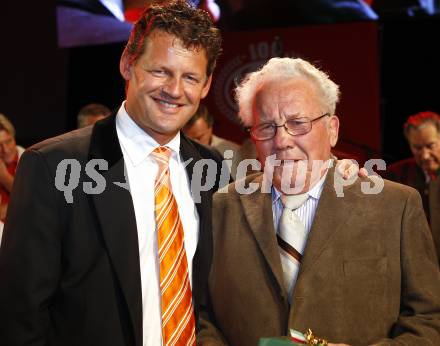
x=44, y=86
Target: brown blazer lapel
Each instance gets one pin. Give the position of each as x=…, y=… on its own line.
x=115, y=213
x=332, y=215
x=257, y=208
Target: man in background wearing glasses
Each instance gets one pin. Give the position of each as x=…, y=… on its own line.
x=291, y=253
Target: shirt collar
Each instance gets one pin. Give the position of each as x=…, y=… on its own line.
x=315, y=192
x=429, y=177
x=137, y=144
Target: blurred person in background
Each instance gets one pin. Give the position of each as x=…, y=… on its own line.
x=422, y=131
x=10, y=153
x=200, y=128
x=91, y=113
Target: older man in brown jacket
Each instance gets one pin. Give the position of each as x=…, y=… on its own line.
x=361, y=268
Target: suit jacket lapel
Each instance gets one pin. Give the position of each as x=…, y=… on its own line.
x=257, y=208
x=203, y=256
x=331, y=216
x=114, y=208
x=190, y=156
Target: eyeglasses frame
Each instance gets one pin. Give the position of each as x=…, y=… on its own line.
x=249, y=128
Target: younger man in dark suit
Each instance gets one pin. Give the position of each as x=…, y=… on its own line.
x=79, y=260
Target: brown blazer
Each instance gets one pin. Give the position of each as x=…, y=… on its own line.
x=409, y=173
x=369, y=272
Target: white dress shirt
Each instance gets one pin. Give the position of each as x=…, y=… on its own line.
x=141, y=171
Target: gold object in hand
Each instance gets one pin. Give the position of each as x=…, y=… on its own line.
x=313, y=340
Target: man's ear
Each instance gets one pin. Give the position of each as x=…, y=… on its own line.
x=206, y=86
x=333, y=129
x=125, y=66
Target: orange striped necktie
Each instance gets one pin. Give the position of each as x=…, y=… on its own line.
x=178, y=324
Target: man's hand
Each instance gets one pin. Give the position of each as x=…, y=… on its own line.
x=348, y=169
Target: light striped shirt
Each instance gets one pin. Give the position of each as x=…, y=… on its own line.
x=306, y=212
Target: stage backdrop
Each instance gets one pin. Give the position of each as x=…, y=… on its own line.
x=348, y=52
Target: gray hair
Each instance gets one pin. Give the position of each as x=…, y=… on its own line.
x=281, y=69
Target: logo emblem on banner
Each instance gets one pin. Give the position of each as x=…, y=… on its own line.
x=236, y=68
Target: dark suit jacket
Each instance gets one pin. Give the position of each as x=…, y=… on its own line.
x=409, y=173
x=70, y=272
x=369, y=273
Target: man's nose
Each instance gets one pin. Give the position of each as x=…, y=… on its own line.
x=173, y=87
x=425, y=153
x=283, y=139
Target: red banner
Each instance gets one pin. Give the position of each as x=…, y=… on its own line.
x=348, y=52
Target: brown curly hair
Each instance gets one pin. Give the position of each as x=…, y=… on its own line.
x=192, y=26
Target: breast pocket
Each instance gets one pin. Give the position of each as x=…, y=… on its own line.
x=365, y=267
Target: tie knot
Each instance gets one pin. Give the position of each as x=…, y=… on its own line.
x=294, y=201
x=162, y=156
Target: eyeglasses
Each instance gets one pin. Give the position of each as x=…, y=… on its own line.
x=294, y=127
